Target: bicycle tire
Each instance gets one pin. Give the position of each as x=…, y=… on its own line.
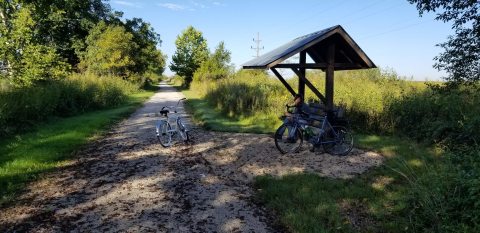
x=183, y=131
x=282, y=140
x=341, y=141
x=163, y=135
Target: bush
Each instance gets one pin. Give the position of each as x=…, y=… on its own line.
x=176, y=80
x=244, y=95
x=449, y=116
x=21, y=108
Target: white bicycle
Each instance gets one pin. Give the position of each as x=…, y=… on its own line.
x=164, y=130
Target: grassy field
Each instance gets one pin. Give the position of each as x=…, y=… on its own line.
x=403, y=195
x=49, y=145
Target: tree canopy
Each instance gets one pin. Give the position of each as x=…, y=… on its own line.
x=46, y=39
x=461, y=55
x=147, y=58
x=217, y=66
x=191, y=51
x=109, y=50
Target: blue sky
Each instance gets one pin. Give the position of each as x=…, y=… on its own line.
x=389, y=31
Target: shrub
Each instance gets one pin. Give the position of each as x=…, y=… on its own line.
x=439, y=115
x=21, y=108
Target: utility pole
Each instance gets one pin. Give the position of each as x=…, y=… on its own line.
x=257, y=47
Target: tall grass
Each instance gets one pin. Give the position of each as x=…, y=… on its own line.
x=257, y=96
x=432, y=192
x=21, y=108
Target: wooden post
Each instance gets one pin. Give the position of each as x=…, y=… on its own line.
x=301, y=80
x=329, y=76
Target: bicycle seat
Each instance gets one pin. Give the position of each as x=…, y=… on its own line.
x=164, y=112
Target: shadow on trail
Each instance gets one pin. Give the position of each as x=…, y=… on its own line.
x=136, y=186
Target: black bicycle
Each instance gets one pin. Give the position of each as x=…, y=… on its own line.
x=335, y=140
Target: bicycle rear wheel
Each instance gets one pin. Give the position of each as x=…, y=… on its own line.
x=288, y=139
x=183, y=131
x=164, y=134
x=338, y=141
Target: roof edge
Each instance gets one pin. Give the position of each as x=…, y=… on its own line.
x=332, y=30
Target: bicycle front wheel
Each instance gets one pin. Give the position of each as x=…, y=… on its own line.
x=164, y=134
x=288, y=139
x=338, y=141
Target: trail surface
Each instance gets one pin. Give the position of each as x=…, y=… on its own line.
x=126, y=182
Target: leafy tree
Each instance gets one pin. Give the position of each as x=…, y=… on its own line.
x=147, y=58
x=109, y=50
x=461, y=56
x=217, y=66
x=60, y=24
x=26, y=60
x=191, y=52
x=59, y=29
x=40, y=63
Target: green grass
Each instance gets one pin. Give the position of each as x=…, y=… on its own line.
x=50, y=145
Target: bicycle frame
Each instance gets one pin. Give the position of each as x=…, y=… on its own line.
x=336, y=140
x=297, y=125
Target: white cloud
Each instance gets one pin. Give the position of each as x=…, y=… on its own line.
x=173, y=6
x=199, y=5
x=191, y=6
x=219, y=4
x=125, y=3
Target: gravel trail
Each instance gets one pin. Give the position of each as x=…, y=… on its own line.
x=126, y=182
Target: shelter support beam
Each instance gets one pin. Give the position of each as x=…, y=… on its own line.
x=279, y=76
x=322, y=66
x=301, y=75
x=310, y=85
x=329, y=81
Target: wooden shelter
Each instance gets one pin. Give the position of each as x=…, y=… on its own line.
x=330, y=49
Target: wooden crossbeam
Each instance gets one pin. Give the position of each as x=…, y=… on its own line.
x=311, y=86
x=322, y=66
x=279, y=76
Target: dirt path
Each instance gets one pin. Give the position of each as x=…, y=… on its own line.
x=127, y=182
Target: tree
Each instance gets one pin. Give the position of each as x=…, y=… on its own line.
x=109, y=50
x=60, y=24
x=147, y=58
x=58, y=29
x=190, y=53
x=27, y=60
x=461, y=55
x=217, y=66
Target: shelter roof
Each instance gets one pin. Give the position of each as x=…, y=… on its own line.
x=348, y=55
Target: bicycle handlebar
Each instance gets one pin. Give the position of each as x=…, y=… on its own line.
x=173, y=107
